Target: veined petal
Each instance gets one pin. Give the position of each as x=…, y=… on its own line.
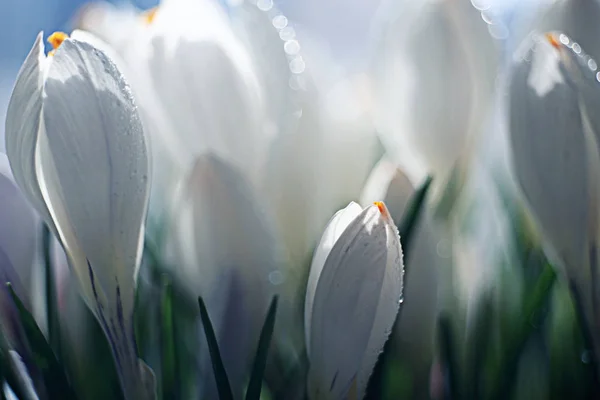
x=23, y=120
x=356, y=301
x=94, y=164
x=336, y=226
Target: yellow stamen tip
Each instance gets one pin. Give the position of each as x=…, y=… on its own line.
x=552, y=39
x=56, y=40
x=149, y=15
x=382, y=208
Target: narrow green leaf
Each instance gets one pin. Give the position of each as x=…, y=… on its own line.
x=51, y=302
x=168, y=353
x=55, y=380
x=215, y=355
x=260, y=360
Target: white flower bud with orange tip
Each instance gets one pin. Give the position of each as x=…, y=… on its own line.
x=78, y=152
x=353, y=295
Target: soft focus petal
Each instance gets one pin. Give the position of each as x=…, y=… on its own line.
x=356, y=301
x=336, y=226
x=549, y=140
x=215, y=102
x=224, y=249
x=273, y=45
x=434, y=77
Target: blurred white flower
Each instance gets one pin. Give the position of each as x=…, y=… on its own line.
x=353, y=295
x=78, y=152
x=554, y=128
x=434, y=70
x=226, y=252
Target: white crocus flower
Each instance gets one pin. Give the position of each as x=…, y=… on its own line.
x=226, y=251
x=78, y=152
x=353, y=295
x=554, y=133
x=434, y=71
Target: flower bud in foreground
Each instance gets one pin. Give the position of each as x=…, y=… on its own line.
x=79, y=154
x=353, y=295
x=554, y=96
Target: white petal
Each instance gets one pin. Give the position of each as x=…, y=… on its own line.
x=22, y=126
x=355, y=305
x=95, y=166
x=549, y=146
x=336, y=226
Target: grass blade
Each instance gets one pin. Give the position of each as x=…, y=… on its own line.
x=260, y=360
x=55, y=380
x=215, y=355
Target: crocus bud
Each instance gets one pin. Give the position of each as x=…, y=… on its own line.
x=353, y=295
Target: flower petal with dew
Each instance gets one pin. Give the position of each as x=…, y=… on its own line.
x=554, y=133
x=356, y=299
x=90, y=178
x=226, y=251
